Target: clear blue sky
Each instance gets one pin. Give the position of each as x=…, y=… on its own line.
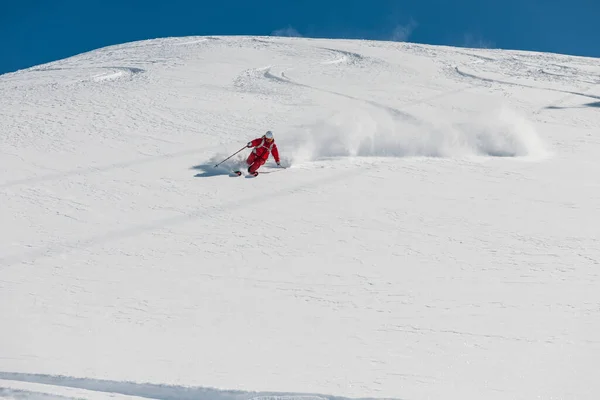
x=37, y=31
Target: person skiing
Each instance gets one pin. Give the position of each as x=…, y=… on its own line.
x=263, y=146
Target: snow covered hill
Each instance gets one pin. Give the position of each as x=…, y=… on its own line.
x=435, y=235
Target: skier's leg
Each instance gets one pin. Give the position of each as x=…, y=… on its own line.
x=251, y=158
x=255, y=165
x=249, y=161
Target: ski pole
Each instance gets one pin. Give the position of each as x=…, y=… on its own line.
x=231, y=156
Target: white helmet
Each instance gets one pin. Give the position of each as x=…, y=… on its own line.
x=269, y=135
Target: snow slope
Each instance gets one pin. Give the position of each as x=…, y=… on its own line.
x=435, y=235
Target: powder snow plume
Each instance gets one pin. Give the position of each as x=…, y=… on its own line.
x=500, y=132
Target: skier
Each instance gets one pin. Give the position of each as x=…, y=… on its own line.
x=263, y=146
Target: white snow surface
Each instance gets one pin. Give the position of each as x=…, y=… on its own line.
x=435, y=235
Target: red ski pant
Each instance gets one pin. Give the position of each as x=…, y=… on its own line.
x=254, y=162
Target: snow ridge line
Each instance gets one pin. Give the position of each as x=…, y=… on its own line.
x=347, y=57
x=112, y=73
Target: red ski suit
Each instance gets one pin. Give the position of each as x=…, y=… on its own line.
x=260, y=153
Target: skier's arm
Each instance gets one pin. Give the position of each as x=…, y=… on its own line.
x=275, y=153
x=254, y=142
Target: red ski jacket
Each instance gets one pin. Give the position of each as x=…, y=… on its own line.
x=262, y=148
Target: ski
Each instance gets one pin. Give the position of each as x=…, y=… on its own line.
x=239, y=173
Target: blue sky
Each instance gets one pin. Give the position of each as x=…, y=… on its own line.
x=37, y=31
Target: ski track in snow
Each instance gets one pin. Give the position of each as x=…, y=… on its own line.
x=467, y=75
x=348, y=58
x=433, y=235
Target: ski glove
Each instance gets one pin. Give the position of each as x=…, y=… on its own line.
x=249, y=144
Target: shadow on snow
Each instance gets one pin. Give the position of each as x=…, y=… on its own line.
x=595, y=104
x=158, y=391
x=208, y=170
